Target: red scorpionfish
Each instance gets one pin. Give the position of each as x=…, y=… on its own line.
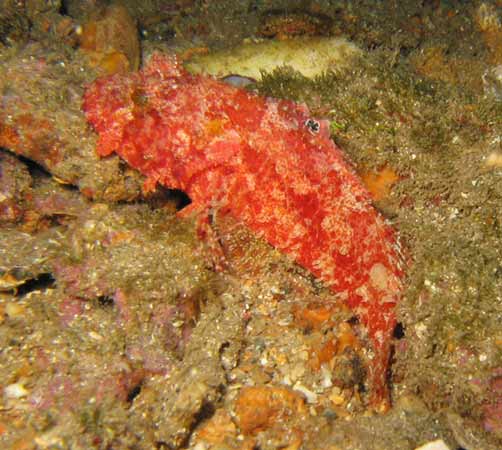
x=272, y=167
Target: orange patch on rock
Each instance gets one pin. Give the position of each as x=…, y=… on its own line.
x=32, y=137
x=324, y=349
x=379, y=183
x=187, y=54
x=347, y=338
x=261, y=407
x=315, y=315
x=217, y=428
x=323, y=353
x=115, y=62
x=9, y=138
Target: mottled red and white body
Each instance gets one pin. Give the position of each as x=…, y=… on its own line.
x=270, y=166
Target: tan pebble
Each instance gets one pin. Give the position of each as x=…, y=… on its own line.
x=451, y=347
x=14, y=310
x=95, y=336
x=336, y=396
x=303, y=355
x=297, y=371
x=279, y=357
x=263, y=309
x=295, y=445
x=337, y=400
x=336, y=390
x=60, y=180
x=494, y=159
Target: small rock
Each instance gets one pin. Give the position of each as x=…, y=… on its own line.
x=15, y=390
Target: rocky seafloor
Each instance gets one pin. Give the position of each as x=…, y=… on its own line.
x=119, y=328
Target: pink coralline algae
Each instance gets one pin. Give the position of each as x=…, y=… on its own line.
x=271, y=166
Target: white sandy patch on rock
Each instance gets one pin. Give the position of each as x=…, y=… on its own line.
x=309, y=56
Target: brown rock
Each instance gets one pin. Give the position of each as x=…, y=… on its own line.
x=15, y=185
x=111, y=41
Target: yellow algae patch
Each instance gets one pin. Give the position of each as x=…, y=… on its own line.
x=489, y=22
x=310, y=56
x=434, y=63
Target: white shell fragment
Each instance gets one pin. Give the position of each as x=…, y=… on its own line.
x=310, y=396
x=434, y=445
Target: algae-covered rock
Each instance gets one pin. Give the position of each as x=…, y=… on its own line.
x=310, y=56
x=40, y=119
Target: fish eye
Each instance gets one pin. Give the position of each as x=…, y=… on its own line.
x=313, y=126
